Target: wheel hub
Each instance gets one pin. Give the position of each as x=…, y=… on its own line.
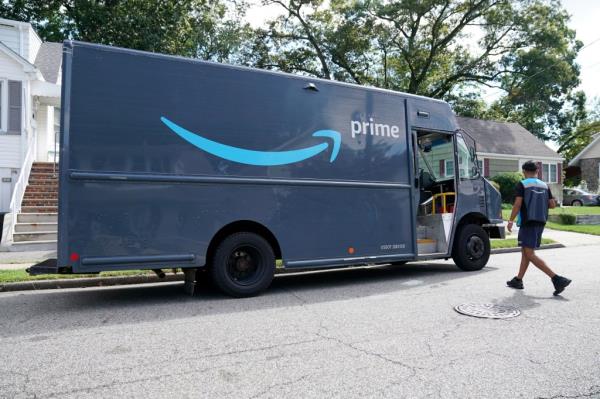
x=243, y=265
x=475, y=247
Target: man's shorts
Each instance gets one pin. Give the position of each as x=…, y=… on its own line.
x=530, y=236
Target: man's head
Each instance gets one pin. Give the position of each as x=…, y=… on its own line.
x=530, y=169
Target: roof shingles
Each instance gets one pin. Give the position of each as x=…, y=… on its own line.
x=505, y=138
x=48, y=60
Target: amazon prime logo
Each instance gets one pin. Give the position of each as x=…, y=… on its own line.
x=372, y=128
x=259, y=158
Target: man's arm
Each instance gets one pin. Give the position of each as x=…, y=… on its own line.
x=515, y=211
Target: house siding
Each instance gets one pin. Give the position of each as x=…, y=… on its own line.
x=9, y=35
x=10, y=151
x=497, y=166
x=442, y=153
x=32, y=44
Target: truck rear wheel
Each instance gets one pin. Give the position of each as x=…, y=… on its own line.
x=471, y=249
x=243, y=265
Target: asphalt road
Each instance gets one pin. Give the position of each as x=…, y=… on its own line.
x=384, y=332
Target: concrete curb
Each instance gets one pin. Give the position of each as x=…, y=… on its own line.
x=145, y=279
x=87, y=282
x=518, y=249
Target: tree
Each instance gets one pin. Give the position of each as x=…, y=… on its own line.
x=441, y=49
x=194, y=28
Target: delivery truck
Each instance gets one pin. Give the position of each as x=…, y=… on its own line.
x=232, y=172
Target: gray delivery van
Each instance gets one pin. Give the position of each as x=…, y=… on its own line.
x=223, y=170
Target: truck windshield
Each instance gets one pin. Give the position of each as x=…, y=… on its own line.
x=436, y=155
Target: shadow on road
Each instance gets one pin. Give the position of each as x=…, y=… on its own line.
x=525, y=302
x=43, y=311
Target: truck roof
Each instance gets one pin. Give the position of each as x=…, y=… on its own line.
x=73, y=43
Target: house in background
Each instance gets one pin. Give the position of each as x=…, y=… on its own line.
x=587, y=164
x=505, y=146
x=30, y=79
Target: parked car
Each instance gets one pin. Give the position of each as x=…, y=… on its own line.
x=578, y=197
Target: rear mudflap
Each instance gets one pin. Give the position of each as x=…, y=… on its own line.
x=49, y=266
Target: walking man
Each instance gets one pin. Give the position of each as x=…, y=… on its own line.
x=532, y=200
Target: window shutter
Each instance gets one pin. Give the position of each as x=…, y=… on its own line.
x=15, y=105
x=559, y=173
x=442, y=167
x=486, y=167
x=540, y=175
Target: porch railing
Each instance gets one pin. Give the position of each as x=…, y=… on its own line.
x=19, y=190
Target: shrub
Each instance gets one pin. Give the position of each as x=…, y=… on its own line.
x=507, y=182
x=506, y=205
x=567, y=218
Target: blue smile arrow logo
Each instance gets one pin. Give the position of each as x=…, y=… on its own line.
x=259, y=158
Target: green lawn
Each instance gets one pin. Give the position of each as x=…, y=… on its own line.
x=577, y=210
x=574, y=210
x=575, y=228
x=19, y=275
x=512, y=243
x=593, y=229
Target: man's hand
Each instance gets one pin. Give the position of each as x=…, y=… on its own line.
x=515, y=211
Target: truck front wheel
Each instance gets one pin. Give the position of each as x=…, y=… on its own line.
x=243, y=265
x=471, y=249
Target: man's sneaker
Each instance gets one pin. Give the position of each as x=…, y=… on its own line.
x=560, y=283
x=516, y=283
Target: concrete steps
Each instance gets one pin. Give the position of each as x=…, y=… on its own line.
x=35, y=236
x=37, y=218
x=36, y=227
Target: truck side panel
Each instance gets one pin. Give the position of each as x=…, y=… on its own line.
x=140, y=189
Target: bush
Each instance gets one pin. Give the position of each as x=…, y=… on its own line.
x=506, y=205
x=507, y=182
x=567, y=218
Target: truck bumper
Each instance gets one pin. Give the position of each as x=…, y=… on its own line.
x=495, y=230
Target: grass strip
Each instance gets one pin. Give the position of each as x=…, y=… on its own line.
x=512, y=243
x=20, y=275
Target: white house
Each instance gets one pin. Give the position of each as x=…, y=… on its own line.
x=30, y=79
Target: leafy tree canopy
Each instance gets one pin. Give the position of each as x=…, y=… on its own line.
x=193, y=28
x=447, y=49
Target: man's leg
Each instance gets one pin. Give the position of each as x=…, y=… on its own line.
x=524, y=265
x=537, y=261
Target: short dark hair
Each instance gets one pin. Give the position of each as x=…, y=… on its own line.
x=530, y=166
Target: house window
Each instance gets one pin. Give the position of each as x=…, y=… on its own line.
x=449, y=168
x=549, y=173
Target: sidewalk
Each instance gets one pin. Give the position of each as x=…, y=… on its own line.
x=567, y=238
x=22, y=260
x=570, y=239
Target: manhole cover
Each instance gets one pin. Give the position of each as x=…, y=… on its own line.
x=487, y=310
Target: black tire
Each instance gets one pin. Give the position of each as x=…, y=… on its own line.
x=576, y=203
x=471, y=250
x=243, y=265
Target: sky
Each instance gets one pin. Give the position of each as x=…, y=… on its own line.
x=585, y=19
